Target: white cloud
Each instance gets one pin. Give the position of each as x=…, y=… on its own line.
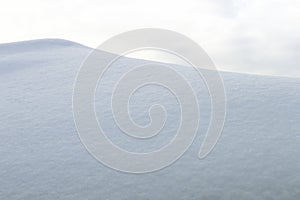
x=257, y=36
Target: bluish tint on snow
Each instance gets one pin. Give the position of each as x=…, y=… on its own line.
x=41, y=156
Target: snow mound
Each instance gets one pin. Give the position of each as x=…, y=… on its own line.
x=41, y=156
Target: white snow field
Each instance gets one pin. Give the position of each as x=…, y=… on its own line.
x=41, y=156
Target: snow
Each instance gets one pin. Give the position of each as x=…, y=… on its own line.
x=41, y=156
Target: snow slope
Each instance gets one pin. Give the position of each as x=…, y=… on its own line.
x=41, y=156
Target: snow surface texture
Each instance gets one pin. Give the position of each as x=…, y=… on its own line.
x=41, y=156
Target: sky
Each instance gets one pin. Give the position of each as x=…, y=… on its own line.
x=257, y=36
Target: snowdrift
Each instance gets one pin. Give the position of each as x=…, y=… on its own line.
x=41, y=156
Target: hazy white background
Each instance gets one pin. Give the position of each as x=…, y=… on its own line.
x=257, y=36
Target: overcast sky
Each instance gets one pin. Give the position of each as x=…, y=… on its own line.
x=257, y=36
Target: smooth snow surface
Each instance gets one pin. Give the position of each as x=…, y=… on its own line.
x=41, y=156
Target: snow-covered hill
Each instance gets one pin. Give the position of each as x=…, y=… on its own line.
x=41, y=156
